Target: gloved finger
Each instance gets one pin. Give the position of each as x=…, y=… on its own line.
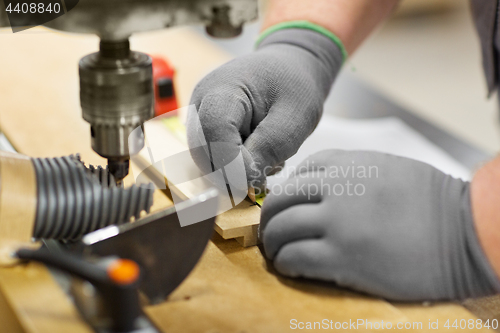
x=224, y=118
x=276, y=169
x=305, y=258
x=290, y=225
x=292, y=192
x=348, y=162
x=279, y=135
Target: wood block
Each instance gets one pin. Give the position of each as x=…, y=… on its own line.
x=240, y=223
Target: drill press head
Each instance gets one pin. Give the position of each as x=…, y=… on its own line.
x=116, y=95
x=116, y=88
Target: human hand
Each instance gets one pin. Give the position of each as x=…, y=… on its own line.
x=377, y=223
x=265, y=104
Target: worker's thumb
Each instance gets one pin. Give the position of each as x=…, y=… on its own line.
x=278, y=137
x=214, y=130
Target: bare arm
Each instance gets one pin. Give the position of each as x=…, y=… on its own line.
x=485, y=197
x=350, y=20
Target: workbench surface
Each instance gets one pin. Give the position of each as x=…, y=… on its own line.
x=232, y=289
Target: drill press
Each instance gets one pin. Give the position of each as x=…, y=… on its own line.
x=116, y=85
x=116, y=95
x=116, y=88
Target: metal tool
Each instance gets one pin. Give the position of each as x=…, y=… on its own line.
x=116, y=95
x=115, y=281
x=106, y=263
x=164, y=250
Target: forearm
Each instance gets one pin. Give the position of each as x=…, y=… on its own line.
x=485, y=198
x=350, y=20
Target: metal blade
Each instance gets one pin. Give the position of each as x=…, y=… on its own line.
x=165, y=251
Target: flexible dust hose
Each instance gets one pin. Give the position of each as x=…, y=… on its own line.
x=73, y=200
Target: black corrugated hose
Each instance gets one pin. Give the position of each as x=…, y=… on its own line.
x=73, y=200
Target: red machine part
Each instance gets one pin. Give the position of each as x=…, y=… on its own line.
x=163, y=79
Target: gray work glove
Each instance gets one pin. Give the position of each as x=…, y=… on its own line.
x=377, y=223
x=267, y=103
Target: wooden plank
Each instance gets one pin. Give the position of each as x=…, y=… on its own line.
x=8, y=317
x=245, y=294
x=233, y=289
x=38, y=302
x=240, y=223
x=17, y=198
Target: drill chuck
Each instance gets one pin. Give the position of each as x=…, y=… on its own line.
x=116, y=95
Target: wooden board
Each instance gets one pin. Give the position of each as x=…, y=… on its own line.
x=17, y=198
x=246, y=295
x=232, y=289
x=240, y=223
x=37, y=302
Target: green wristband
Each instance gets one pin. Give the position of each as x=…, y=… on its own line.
x=304, y=25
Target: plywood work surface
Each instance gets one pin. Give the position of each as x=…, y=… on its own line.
x=232, y=289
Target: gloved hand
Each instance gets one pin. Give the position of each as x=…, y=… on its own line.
x=265, y=104
x=377, y=223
